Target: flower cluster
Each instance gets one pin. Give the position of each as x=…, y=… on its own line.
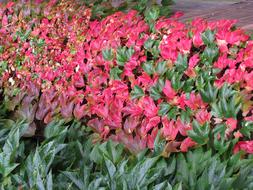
x=128, y=77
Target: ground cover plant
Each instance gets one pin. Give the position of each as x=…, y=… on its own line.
x=128, y=76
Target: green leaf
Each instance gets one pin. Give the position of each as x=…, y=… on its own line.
x=113, y=151
x=199, y=133
x=107, y=54
x=50, y=181
x=166, y=2
x=178, y=186
x=111, y=169
x=1, y=49
x=141, y=169
x=115, y=73
x=39, y=182
x=159, y=144
x=148, y=67
x=176, y=82
x=152, y=13
x=155, y=51
x=54, y=129
x=163, y=109
x=74, y=178
x=160, y=84
x=247, y=128
x=161, y=68
x=186, y=115
x=3, y=66
x=137, y=92
x=182, y=171
x=188, y=85
x=123, y=55
x=210, y=54
x=154, y=92
x=163, y=186
x=181, y=63
x=209, y=93
x=8, y=169
x=208, y=37
x=173, y=112
x=148, y=44
x=216, y=110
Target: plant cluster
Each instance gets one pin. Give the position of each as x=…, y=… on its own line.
x=50, y=164
x=129, y=76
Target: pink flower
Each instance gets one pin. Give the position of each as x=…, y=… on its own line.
x=10, y=4
x=169, y=129
x=194, y=60
x=168, y=53
x=151, y=138
x=197, y=40
x=237, y=134
x=186, y=144
x=184, y=45
x=79, y=111
x=149, y=107
x=152, y=123
x=133, y=109
x=183, y=127
x=246, y=146
x=131, y=123
x=203, y=116
x=177, y=15
x=78, y=80
x=195, y=102
x=231, y=123
x=168, y=90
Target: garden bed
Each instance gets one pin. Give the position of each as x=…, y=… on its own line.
x=95, y=98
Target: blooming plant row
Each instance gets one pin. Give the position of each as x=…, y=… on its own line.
x=129, y=76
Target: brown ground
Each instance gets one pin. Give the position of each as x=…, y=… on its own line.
x=241, y=10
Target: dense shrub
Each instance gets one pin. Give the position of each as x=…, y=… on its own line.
x=129, y=76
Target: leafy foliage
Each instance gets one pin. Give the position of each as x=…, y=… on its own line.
x=128, y=75
x=67, y=158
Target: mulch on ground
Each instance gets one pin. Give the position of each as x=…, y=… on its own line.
x=210, y=10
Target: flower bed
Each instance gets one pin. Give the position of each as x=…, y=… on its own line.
x=128, y=76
